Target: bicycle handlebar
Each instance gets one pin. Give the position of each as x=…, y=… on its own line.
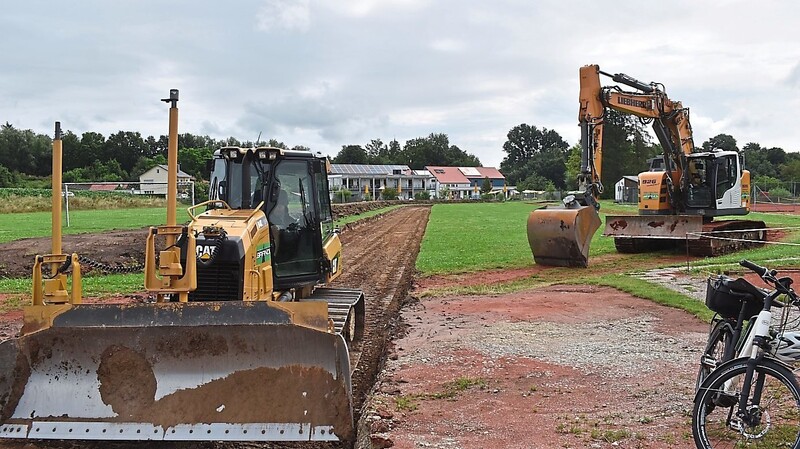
x=758, y=269
x=769, y=276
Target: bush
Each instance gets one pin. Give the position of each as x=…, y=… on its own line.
x=779, y=192
x=342, y=196
x=422, y=196
x=389, y=193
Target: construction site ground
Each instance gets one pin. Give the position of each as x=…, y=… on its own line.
x=566, y=366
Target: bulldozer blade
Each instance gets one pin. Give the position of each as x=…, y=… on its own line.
x=654, y=226
x=560, y=236
x=185, y=376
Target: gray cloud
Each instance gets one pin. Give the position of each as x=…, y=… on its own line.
x=326, y=74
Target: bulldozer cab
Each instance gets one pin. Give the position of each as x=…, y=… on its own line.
x=291, y=188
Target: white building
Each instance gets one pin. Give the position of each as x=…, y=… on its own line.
x=626, y=190
x=154, y=181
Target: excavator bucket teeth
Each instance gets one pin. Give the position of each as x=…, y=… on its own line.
x=250, y=381
x=560, y=236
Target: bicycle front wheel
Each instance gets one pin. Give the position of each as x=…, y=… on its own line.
x=772, y=416
x=719, y=340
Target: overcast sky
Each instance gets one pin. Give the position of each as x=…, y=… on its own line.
x=329, y=73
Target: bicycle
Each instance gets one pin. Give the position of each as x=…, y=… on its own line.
x=735, y=302
x=752, y=400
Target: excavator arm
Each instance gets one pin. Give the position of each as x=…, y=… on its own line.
x=560, y=235
x=669, y=119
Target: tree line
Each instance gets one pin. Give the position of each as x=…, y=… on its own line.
x=125, y=155
x=535, y=158
x=121, y=156
x=539, y=159
x=435, y=149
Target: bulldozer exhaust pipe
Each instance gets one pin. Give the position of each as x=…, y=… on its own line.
x=172, y=161
x=56, y=191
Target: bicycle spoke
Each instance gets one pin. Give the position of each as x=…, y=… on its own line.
x=772, y=423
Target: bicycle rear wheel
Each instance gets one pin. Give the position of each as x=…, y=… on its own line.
x=719, y=340
x=773, y=423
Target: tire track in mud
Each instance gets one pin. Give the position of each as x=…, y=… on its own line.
x=379, y=258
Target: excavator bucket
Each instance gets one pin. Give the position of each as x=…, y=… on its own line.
x=237, y=371
x=560, y=235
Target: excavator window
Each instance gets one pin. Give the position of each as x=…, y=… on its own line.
x=700, y=189
x=727, y=169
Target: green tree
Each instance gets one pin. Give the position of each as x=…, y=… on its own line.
x=761, y=161
x=351, y=154
x=435, y=150
x=377, y=152
x=193, y=161
x=25, y=151
x=8, y=178
x=146, y=163
x=70, y=149
x=533, y=153
x=573, y=166
x=389, y=193
x=790, y=171
x=394, y=154
x=487, y=185
x=722, y=142
x=626, y=149
x=126, y=148
x=91, y=149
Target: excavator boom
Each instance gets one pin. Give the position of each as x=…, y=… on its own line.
x=676, y=202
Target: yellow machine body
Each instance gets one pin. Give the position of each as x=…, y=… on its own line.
x=229, y=350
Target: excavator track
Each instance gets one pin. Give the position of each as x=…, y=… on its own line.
x=717, y=238
x=727, y=236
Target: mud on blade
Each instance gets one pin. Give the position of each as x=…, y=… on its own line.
x=271, y=382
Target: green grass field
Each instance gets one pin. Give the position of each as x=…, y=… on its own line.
x=38, y=224
x=470, y=237
x=460, y=238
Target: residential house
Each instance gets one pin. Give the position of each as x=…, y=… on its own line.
x=154, y=181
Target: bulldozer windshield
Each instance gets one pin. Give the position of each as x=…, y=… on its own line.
x=294, y=222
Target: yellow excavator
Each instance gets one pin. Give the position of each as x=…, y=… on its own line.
x=242, y=341
x=677, y=202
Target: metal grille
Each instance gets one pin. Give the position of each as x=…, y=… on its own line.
x=222, y=281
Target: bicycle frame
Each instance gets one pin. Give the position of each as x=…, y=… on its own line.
x=758, y=344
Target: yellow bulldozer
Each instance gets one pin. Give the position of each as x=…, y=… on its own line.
x=242, y=341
